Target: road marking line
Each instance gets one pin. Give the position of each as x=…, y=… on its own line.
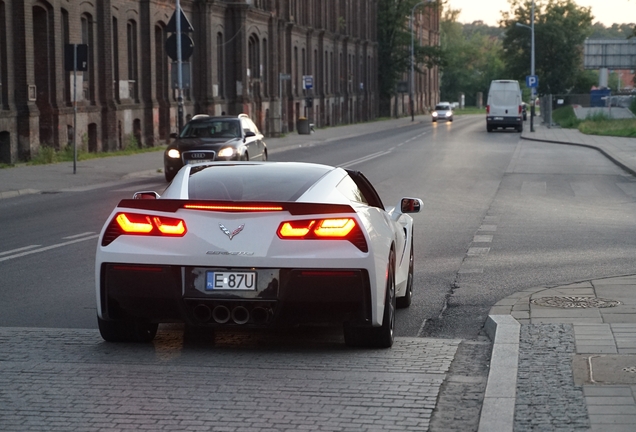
x=365, y=159
x=48, y=248
x=19, y=249
x=78, y=235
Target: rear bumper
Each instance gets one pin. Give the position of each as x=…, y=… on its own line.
x=509, y=121
x=282, y=296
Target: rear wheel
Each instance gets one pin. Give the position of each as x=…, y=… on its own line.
x=489, y=128
x=377, y=337
x=169, y=176
x=127, y=331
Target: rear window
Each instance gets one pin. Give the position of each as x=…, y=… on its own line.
x=253, y=182
x=213, y=128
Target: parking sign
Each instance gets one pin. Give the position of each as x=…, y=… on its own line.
x=532, y=81
x=308, y=82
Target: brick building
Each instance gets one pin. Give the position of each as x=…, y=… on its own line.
x=249, y=56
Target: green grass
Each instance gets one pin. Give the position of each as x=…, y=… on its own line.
x=609, y=127
x=469, y=110
x=595, y=124
x=49, y=155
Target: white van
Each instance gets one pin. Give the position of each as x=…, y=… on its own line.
x=504, y=107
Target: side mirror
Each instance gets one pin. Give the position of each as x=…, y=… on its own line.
x=146, y=195
x=411, y=205
x=174, y=135
x=249, y=134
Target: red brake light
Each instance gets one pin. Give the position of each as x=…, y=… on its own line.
x=520, y=109
x=335, y=227
x=487, y=109
x=232, y=208
x=134, y=223
x=324, y=229
x=140, y=224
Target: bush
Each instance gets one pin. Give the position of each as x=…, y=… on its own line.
x=565, y=117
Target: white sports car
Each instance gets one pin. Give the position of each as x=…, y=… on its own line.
x=256, y=244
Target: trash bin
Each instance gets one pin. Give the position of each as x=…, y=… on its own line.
x=302, y=125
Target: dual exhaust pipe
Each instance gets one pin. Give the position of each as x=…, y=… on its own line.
x=240, y=315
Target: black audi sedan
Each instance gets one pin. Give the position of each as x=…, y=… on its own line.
x=206, y=139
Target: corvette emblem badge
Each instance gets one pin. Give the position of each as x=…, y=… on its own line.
x=229, y=233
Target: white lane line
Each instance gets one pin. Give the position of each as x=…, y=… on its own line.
x=19, y=249
x=364, y=159
x=78, y=235
x=48, y=248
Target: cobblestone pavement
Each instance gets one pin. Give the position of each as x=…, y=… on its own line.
x=70, y=380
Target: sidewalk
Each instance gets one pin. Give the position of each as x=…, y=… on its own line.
x=564, y=357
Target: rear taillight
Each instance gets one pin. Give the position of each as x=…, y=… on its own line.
x=140, y=224
x=520, y=109
x=324, y=229
x=487, y=109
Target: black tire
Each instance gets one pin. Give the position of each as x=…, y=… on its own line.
x=168, y=175
x=377, y=337
x=405, y=301
x=264, y=155
x=127, y=331
x=520, y=128
x=489, y=128
x=244, y=157
x=434, y=121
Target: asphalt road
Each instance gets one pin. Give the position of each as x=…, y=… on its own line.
x=500, y=215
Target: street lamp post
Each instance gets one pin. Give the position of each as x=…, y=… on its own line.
x=411, y=83
x=533, y=95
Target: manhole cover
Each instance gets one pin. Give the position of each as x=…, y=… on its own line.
x=574, y=302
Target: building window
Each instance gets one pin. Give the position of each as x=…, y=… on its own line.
x=4, y=87
x=115, y=60
x=265, y=72
x=88, y=75
x=220, y=66
x=132, y=60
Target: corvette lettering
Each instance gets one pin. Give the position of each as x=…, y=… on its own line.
x=228, y=253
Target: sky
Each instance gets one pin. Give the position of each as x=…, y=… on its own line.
x=607, y=12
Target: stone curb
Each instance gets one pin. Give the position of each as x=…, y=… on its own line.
x=498, y=409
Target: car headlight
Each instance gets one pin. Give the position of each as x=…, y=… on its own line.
x=448, y=114
x=434, y=113
x=226, y=152
x=174, y=154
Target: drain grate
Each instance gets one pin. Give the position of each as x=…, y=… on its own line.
x=631, y=369
x=574, y=302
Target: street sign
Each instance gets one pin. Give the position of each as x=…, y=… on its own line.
x=185, y=25
x=187, y=47
x=284, y=77
x=308, y=82
x=76, y=57
x=532, y=81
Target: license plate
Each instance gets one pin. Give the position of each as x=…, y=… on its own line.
x=230, y=281
x=193, y=161
x=498, y=118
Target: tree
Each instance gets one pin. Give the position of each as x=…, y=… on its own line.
x=560, y=28
x=394, y=47
x=473, y=54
